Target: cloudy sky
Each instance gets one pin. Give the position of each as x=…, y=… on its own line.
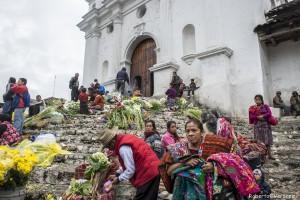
x=38, y=41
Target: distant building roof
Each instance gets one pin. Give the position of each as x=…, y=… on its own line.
x=283, y=24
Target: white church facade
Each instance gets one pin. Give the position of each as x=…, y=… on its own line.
x=213, y=42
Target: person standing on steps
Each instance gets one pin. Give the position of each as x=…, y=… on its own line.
x=176, y=81
x=138, y=160
x=171, y=97
x=21, y=100
x=181, y=89
x=83, y=99
x=122, y=78
x=74, y=85
x=8, y=97
x=259, y=116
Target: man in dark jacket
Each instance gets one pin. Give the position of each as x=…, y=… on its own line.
x=74, y=85
x=8, y=97
x=122, y=78
x=176, y=81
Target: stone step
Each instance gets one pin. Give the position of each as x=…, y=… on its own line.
x=79, y=135
x=36, y=191
x=287, y=143
x=286, y=152
x=58, y=174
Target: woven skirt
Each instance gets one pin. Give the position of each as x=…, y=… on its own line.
x=263, y=132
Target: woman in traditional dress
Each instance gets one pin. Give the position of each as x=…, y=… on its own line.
x=152, y=137
x=259, y=116
x=217, y=177
x=171, y=136
x=171, y=97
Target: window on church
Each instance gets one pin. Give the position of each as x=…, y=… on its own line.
x=104, y=71
x=110, y=28
x=141, y=11
x=188, y=39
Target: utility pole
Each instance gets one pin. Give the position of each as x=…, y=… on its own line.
x=54, y=85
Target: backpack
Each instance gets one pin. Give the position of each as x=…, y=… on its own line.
x=26, y=99
x=102, y=89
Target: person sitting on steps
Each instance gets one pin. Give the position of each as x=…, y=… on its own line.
x=98, y=103
x=192, y=87
x=295, y=103
x=278, y=103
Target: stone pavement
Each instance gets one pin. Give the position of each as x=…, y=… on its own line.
x=78, y=135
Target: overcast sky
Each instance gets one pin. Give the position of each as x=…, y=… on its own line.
x=38, y=40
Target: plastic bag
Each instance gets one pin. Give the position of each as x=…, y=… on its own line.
x=45, y=151
x=47, y=138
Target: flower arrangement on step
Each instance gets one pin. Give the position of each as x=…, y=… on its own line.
x=78, y=190
x=97, y=162
x=71, y=108
x=147, y=104
x=15, y=167
x=124, y=116
x=181, y=103
x=51, y=196
x=48, y=115
x=194, y=113
x=96, y=172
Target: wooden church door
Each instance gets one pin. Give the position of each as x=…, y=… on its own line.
x=144, y=57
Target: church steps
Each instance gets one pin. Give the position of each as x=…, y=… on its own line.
x=79, y=136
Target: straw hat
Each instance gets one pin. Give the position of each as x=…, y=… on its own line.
x=107, y=135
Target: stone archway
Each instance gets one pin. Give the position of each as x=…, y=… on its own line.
x=143, y=57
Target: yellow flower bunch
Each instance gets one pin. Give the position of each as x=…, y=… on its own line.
x=22, y=161
x=2, y=173
x=49, y=197
x=23, y=158
x=25, y=161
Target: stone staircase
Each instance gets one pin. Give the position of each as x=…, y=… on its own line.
x=283, y=173
x=79, y=136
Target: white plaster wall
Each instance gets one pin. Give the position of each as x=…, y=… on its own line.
x=217, y=23
x=267, y=76
x=90, y=61
x=215, y=89
x=105, y=53
x=162, y=78
x=223, y=23
x=130, y=20
x=284, y=61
